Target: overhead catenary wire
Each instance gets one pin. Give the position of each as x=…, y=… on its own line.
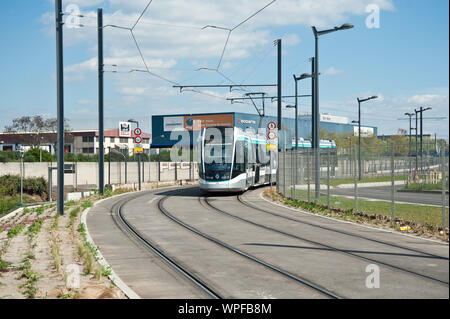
x=154, y=74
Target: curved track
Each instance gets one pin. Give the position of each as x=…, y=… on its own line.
x=245, y=255
x=197, y=282
x=332, y=248
x=244, y=247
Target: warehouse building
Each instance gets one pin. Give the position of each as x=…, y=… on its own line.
x=163, y=126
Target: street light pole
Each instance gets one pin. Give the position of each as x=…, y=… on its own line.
x=410, y=118
x=359, y=132
x=421, y=110
x=316, y=113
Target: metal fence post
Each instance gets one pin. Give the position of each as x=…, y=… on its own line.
x=284, y=165
x=308, y=172
x=159, y=164
x=355, y=173
x=292, y=174
x=328, y=178
x=444, y=215
x=392, y=182
x=296, y=172
x=50, y=182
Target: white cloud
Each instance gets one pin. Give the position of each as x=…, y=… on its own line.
x=428, y=99
x=332, y=71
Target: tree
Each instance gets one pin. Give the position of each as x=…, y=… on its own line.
x=27, y=124
x=35, y=128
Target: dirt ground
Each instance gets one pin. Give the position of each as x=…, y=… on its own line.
x=45, y=255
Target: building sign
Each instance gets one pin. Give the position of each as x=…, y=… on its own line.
x=173, y=123
x=243, y=121
x=197, y=122
x=333, y=119
x=365, y=131
x=124, y=129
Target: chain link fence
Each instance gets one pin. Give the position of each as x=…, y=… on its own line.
x=413, y=188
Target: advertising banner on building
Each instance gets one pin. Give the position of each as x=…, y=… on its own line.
x=173, y=123
x=124, y=129
x=197, y=122
x=365, y=131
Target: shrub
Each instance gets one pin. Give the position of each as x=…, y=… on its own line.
x=32, y=186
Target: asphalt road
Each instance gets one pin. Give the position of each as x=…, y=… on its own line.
x=384, y=193
x=329, y=253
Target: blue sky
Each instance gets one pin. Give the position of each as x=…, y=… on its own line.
x=405, y=61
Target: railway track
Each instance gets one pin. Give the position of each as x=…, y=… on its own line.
x=298, y=279
x=315, y=285
x=176, y=266
x=329, y=247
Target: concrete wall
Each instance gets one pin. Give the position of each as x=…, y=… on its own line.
x=87, y=172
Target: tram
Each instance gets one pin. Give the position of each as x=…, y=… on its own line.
x=233, y=160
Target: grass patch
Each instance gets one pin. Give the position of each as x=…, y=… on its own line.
x=374, y=213
x=377, y=179
x=420, y=214
x=425, y=187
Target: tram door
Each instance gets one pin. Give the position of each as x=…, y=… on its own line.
x=248, y=163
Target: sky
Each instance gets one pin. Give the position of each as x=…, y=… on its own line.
x=403, y=59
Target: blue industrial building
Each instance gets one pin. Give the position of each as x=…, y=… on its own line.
x=164, y=125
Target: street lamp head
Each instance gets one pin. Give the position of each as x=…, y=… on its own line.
x=290, y=106
x=428, y=108
x=346, y=26
x=374, y=97
x=305, y=76
x=355, y=122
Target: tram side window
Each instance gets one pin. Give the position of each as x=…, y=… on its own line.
x=240, y=159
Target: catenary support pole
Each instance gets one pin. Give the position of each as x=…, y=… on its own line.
x=101, y=133
x=60, y=103
x=279, y=114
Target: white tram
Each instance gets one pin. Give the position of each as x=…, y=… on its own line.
x=232, y=160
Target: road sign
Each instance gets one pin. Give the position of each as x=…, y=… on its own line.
x=137, y=131
x=272, y=125
x=272, y=135
x=69, y=168
x=138, y=140
x=138, y=150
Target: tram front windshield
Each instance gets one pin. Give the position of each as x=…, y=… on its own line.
x=218, y=151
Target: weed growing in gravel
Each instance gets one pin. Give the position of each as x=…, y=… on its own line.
x=14, y=231
x=86, y=204
x=35, y=228
x=40, y=210
x=32, y=278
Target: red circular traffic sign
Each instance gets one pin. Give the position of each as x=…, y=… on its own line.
x=272, y=125
x=137, y=131
x=138, y=140
x=272, y=135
